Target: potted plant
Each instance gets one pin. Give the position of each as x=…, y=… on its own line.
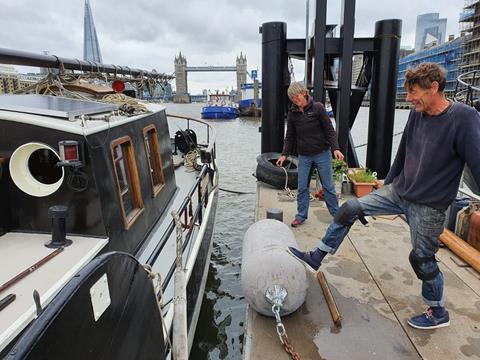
x=339, y=169
x=363, y=181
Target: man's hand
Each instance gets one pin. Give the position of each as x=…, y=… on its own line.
x=338, y=155
x=280, y=160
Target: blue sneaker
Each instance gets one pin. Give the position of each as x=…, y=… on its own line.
x=310, y=259
x=428, y=320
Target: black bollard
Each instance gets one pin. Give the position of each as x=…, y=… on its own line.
x=275, y=214
x=383, y=93
x=58, y=214
x=275, y=81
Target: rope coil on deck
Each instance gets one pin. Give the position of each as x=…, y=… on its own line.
x=287, y=193
x=190, y=160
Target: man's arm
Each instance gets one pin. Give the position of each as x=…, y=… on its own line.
x=468, y=142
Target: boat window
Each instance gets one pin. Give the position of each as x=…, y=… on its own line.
x=152, y=149
x=128, y=183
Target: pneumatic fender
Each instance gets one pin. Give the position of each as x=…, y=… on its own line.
x=269, y=173
x=266, y=263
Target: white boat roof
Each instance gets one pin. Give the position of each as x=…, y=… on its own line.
x=64, y=114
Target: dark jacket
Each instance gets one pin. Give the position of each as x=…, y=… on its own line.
x=432, y=154
x=311, y=130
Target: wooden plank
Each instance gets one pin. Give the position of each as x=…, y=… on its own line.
x=460, y=247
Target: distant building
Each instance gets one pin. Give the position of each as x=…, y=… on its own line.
x=405, y=50
x=241, y=65
x=357, y=63
x=91, y=47
x=181, y=95
x=11, y=80
x=470, y=29
x=448, y=55
x=8, y=79
x=164, y=93
x=430, y=31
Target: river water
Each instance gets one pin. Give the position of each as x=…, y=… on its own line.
x=219, y=332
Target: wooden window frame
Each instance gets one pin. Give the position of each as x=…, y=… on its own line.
x=133, y=181
x=157, y=159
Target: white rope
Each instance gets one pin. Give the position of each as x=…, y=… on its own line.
x=157, y=288
x=128, y=105
x=54, y=84
x=179, y=239
x=191, y=160
x=287, y=194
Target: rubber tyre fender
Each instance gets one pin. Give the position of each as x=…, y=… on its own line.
x=273, y=175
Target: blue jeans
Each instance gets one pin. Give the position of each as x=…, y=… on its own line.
x=426, y=225
x=323, y=163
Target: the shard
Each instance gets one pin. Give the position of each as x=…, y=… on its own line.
x=91, y=48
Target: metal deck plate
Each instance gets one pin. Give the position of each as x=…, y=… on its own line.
x=53, y=106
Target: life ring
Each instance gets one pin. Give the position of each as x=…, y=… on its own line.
x=223, y=103
x=269, y=173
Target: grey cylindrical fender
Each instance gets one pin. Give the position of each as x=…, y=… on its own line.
x=266, y=262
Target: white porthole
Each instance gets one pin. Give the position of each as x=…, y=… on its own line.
x=33, y=169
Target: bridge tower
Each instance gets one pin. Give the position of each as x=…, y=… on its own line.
x=181, y=95
x=241, y=74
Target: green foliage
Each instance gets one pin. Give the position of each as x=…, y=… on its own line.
x=339, y=167
x=363, y=176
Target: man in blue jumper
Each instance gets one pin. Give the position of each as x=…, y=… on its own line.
x=440, y=137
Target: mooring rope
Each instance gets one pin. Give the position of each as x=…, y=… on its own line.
x=287, y=194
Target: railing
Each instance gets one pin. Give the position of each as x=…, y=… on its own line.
x=210, y=146
x=192, y=217
x=467, y=89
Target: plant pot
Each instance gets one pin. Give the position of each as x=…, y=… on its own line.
x=362, y=189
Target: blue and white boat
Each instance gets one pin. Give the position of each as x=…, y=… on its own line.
x=251, y=103
x=219, y=106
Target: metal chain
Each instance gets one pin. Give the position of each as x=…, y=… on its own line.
x=282, y=335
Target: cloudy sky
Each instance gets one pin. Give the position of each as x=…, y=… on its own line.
x=147, y=34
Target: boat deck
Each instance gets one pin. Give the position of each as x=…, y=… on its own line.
x=376, y=291
x=18, y=252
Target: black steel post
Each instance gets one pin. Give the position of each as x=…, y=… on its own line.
x=345, y=73
x=383, y=93
x=319, y=54
x=274, y=84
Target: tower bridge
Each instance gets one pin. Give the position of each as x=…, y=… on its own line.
x=181, y=70
x=211, y=68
